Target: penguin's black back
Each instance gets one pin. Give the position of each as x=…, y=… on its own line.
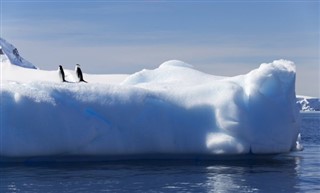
x=62, y=73
x=80, y=75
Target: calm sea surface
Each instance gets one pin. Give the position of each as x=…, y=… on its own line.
x=294, y=172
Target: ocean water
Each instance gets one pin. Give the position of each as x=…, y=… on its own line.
x=294, y=172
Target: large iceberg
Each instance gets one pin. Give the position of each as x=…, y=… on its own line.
x=173, y=111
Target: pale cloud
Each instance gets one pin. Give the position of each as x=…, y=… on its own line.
x=227, y=60
x=151, y=55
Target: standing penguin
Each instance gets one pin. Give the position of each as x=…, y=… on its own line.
x=61, y=74
x=79, y=73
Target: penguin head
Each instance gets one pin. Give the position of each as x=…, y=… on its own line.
x=77, y=66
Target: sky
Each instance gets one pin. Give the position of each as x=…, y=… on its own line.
x=217, y=37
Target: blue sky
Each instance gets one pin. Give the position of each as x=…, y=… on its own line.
x=217, y=37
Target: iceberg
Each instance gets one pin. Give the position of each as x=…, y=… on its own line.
x=307, y=103
x=11, y=53
x=173, y=111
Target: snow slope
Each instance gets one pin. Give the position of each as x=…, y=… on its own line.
x=173, y=111
x=9, y=52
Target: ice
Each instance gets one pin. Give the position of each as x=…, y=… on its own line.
x=307, y=103
x=172, y=110
x=10, y=53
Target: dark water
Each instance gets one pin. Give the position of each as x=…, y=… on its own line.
x=294, y=172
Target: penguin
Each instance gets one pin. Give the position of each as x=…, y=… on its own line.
x=61, y=74
x=79, y=73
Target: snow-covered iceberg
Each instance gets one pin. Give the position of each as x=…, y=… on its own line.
x=307, y=103
x=11, y=53
x=173, y=111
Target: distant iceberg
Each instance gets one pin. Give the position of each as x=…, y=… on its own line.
x=307, y=103
x=172, y=111
x=11, y=53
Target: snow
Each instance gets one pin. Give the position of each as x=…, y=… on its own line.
x=9, y=52
x=172, y=110
x=307, y=103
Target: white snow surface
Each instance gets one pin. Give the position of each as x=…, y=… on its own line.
x=171, y=110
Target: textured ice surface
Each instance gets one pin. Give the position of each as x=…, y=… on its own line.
x=171, y=110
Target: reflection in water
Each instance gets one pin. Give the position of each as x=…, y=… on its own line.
x=220, y=180
x=250, y=175
x=267, y=175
